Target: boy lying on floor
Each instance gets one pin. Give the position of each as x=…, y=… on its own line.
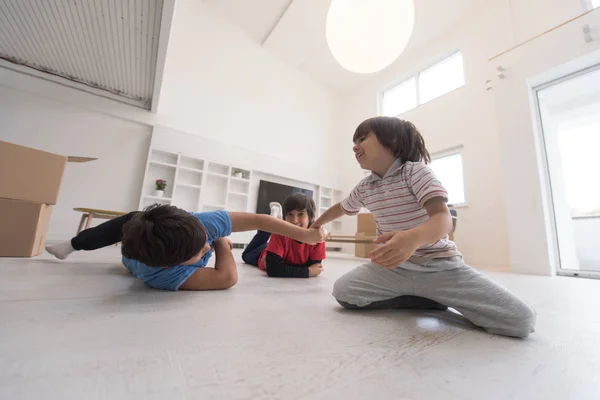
x=283, y=257
x=168, y=247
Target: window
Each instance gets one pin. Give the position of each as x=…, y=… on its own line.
x=442, y=78
x=449, y=170
x=400, y=98
x=428, y=84
x=577, y=149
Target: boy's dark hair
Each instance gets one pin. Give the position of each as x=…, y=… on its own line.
x=163, y=236
x=401, y=137
x=298, y=202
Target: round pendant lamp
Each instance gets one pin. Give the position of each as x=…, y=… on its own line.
x=366, y=36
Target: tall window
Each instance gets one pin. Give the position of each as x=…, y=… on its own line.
x=428, y=84
x=400, y=98
x=442, y=78
x=449, y=170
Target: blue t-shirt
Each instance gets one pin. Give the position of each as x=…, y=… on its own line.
x=217, y=225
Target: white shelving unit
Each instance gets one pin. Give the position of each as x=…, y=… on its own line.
x=238, y=189
x=195, y=184
x=328, y=197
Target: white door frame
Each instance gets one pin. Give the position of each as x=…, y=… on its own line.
x=593, y=64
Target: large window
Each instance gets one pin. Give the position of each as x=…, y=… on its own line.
x=400, y=98
x=428, y=84
x=449, y=170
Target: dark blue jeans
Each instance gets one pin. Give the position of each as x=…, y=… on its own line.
x=256, y=246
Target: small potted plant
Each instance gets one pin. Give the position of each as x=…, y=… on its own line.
x=161, y=184
x=238, y=173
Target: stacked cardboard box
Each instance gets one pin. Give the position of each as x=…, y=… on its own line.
x=29, y=186
x=366, y=229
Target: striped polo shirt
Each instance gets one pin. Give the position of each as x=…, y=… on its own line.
x=397, y=202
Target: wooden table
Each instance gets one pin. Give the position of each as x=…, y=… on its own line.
x=90, y=213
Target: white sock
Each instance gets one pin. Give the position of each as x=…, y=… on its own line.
x=276, y=210
x=60, y=250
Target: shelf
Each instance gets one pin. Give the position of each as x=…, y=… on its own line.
x=163, y=157
x=233, y=178
x=191, y=163
x=239, y=194
x=163, y=164
x=157, y=198
x=218, y=175
x=219, y=169
x=188, y=185
x=192, y=169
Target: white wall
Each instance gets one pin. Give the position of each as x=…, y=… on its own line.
x=217, y=84
x=467, y=117
x=552, y=56
x=220, y=84
x=112, y=182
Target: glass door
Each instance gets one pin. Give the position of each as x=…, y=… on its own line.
x=569, y=111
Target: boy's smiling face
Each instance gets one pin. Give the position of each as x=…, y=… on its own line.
x=298, y=217
x=371, y=155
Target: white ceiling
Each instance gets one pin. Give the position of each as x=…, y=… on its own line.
x=110, y=45
x=294, y=30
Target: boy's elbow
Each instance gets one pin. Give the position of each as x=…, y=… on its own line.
x=271, y=271
x=448, y=223
x=230, y=280
x=443, y=219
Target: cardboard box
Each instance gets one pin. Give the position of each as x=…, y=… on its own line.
x=23, y=228
x=30, y=183
x=366, y=223
x=363, y=249
x=32, y=175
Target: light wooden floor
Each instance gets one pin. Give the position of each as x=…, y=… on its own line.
x=84, y=329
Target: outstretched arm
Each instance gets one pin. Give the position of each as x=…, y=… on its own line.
x=241, y=222
x=334, y=212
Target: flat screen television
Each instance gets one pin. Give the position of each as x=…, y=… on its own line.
x=271, y=191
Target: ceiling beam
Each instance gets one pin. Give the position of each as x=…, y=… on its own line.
x=166, y=23
x=287, y=7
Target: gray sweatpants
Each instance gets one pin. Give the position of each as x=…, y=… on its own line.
x=450, y=282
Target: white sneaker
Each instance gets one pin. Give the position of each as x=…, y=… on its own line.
x=276, y=210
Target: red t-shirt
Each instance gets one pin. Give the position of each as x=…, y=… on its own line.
x=291, y=251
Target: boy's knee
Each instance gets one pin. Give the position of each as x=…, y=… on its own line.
x=344, y=293
x=520, y=324
x=340, y=288
x=245, y=257
x=347, y=305
x=525, y=321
